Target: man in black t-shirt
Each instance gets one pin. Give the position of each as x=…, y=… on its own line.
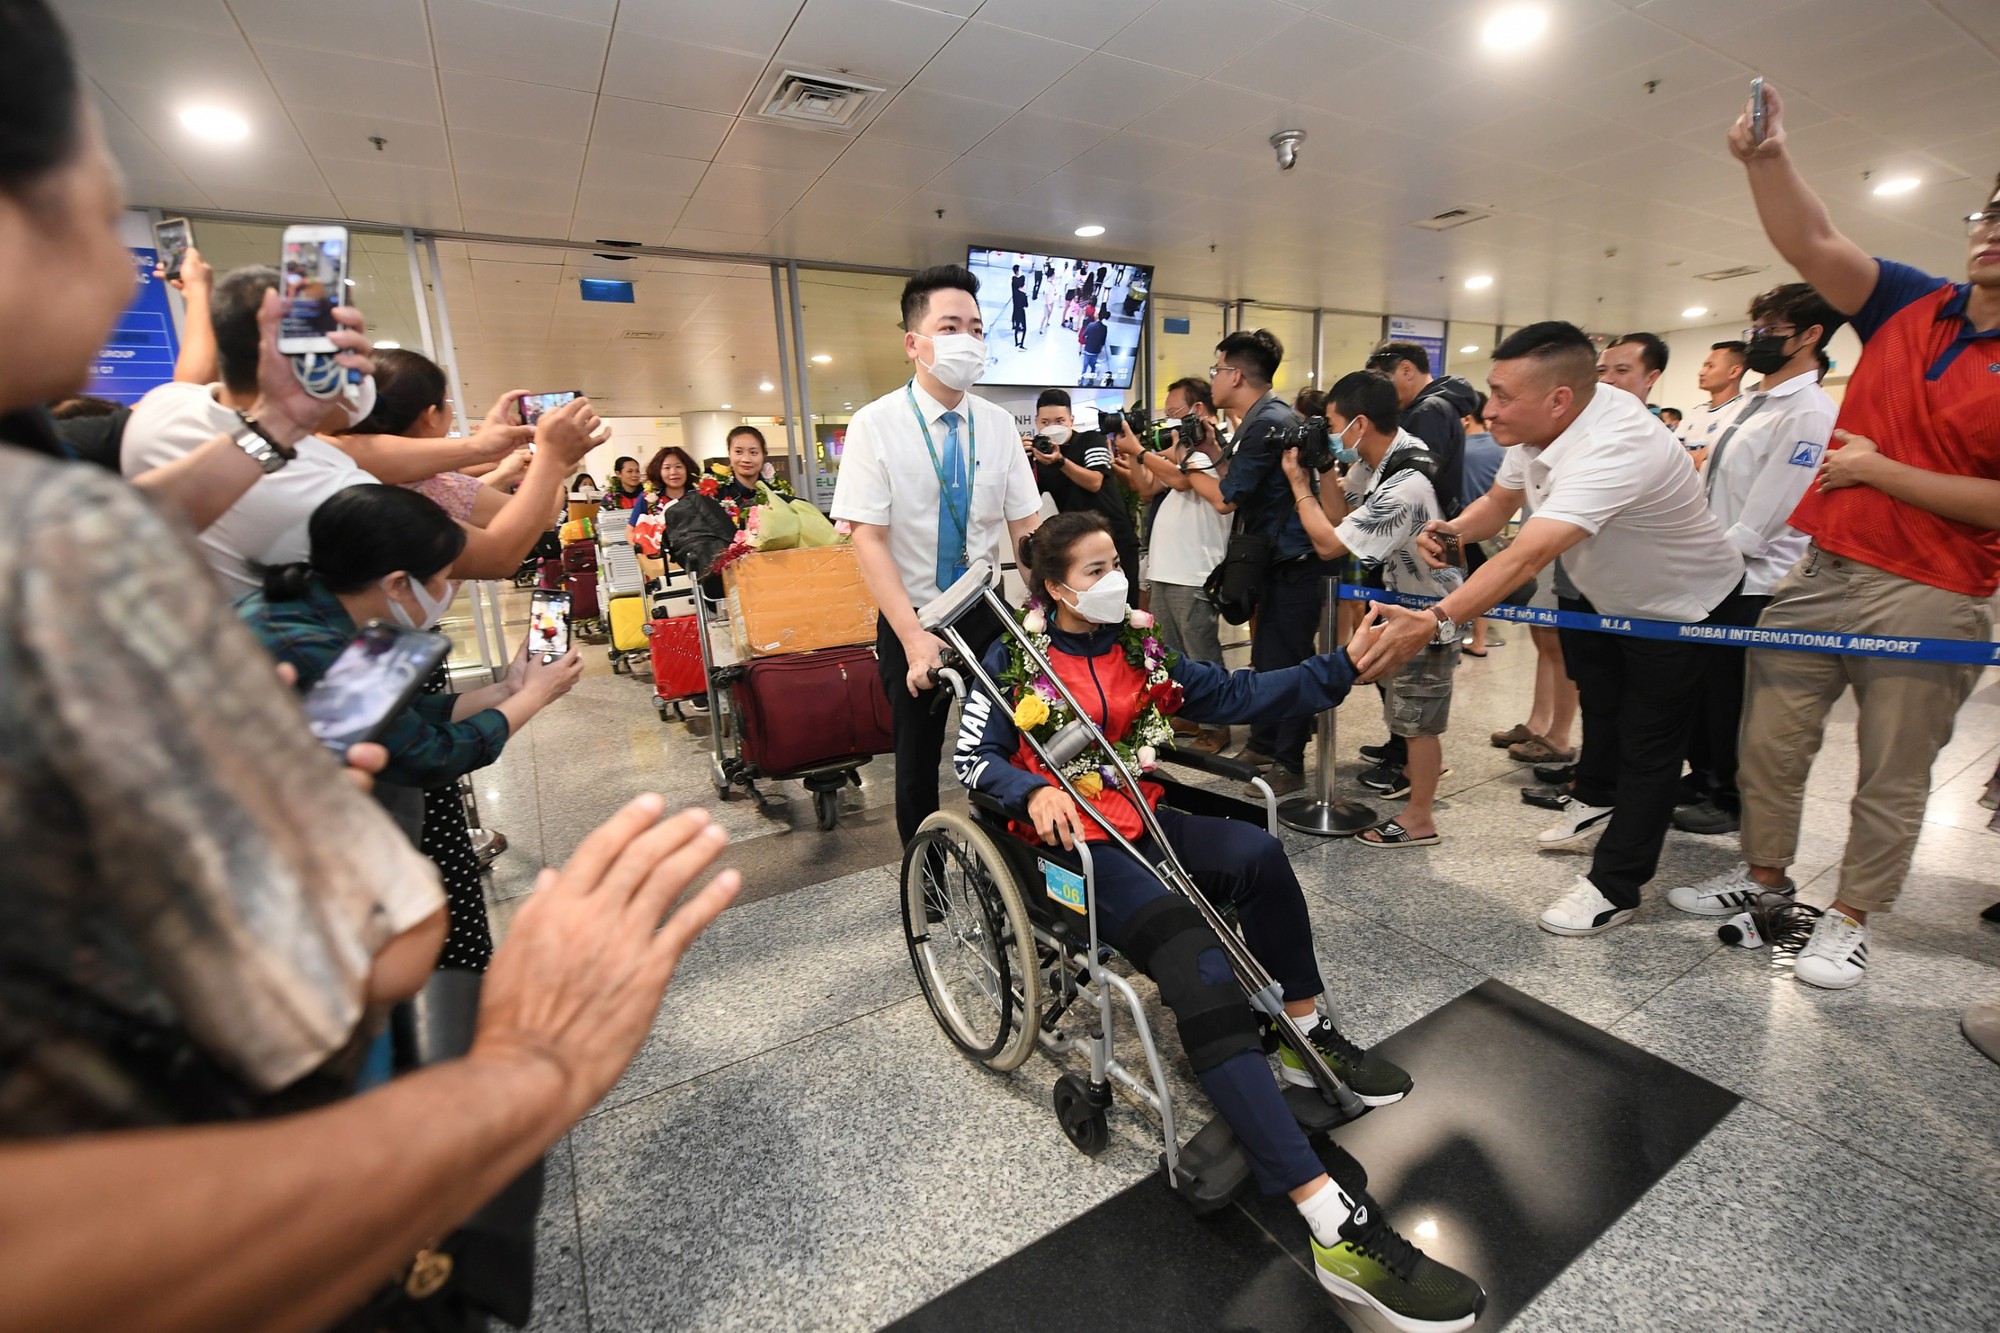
x=1073, y=468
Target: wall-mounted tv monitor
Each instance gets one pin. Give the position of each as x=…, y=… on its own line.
x=1060, y=322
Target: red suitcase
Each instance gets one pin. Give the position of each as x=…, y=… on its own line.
x=677, y=672
x=812, y=708
x=582, y=590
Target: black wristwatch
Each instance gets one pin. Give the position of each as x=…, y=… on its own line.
x=263, y=447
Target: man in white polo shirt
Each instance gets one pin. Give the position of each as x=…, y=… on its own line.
x=1759, y=467
x=1721, y=378
x=930, y=479
x=1614, y=494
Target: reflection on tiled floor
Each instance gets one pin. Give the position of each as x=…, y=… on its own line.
x=798, y=1147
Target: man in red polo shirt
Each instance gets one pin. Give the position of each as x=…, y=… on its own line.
x=1925, y=394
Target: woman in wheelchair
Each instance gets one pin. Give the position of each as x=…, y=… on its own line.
x=1126, y=681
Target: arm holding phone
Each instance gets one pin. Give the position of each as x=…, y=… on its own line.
x=197, y=363
x=398, y=460
x=563, y=436
x=1794, y=219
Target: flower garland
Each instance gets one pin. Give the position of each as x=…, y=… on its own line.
x=720, y=475
x=1041, y=711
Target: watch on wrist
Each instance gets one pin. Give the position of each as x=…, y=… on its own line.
x=1447, y=630
x=261, y=445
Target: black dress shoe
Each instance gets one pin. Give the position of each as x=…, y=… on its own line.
x=1548, y=798
x=1706, y=818
x=1556, y=775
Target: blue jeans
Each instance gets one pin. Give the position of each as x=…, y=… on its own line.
x=1240, y=863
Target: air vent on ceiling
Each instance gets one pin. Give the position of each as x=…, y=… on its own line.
x=819, y=101
x=1453, y=217
x=1724, y=274
x=652, y=335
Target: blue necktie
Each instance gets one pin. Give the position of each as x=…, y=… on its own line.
x=954, y=507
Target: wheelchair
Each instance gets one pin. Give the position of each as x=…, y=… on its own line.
x=1003, y=936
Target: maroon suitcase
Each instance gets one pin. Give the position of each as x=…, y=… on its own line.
x=580, y=558
x=582, y=590
x=812, y=708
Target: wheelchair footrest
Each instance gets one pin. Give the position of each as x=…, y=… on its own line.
x=1213, y=1168
x=1315, y=1114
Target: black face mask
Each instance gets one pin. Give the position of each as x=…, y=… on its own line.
x=1766, y=353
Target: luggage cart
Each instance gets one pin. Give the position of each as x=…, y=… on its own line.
x=619, y=579
x=733, y=762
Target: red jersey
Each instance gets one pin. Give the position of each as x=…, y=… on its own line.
x=1110, y=689
x=1927, y=392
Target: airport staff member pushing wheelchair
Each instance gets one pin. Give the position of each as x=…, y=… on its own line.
x=1122, y=675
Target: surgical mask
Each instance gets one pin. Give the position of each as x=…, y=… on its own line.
x=1103, y=602
x=1058, y=435
x=957, y=360
x=433, y=608
x=1344, y=453
x=1766, y=353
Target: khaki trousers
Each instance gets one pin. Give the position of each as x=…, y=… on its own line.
x=1907, y=711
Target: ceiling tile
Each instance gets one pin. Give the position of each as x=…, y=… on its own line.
x=1207, y=113
x=536, y=110
x=747, y=185
x=203, y=15
x=524, y=192
x=625, y=169
x=1187, y=35
x=930, y=119
x=338, y=134
x=873, y=161
x=654, y=69
x=999, y=64
x=753, y=26
x=404, y=212
x=771, y=146
x=1089, y=25
x=1040, y=140
x=648, y=127
x=482, y=153
x=590, y=11
x=741, y=218
x=1311, y=56
x=1110, y=91
x=389, y=180
x=335, y=82
x=626, y=206
x=849, y=201
x=381, y=29
x=987, y=178
x=513, y=222
x=871, y=39
x=194, y=63
x=479, y=38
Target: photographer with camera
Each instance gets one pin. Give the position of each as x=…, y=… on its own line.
x=1073, y=468
x=1389, y=498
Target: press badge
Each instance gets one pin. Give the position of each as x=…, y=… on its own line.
x=1065, y=886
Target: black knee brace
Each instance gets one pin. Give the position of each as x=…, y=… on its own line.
x=1169, y=942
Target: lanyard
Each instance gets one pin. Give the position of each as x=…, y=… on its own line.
x=962, y=520
x=1755, y=406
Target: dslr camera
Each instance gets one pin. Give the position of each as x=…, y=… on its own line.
x=1135, y=417
x=1312, y=438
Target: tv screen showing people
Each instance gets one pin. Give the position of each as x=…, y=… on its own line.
x=1062, y=321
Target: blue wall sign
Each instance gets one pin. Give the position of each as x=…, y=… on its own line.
x=140, y=353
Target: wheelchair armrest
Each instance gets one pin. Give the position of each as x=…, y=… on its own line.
x=1210, y=763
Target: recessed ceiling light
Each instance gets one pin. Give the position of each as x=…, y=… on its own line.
x=766, y=386
x=1090, y=229
x=386, y=346
x=1468, y=349
x=726, y=407
x=847, y=404
x=215, y=124
x=1515, y=27
x=1898, y=185
x=1694, y=312
x=821, y=359
x=1478, y=282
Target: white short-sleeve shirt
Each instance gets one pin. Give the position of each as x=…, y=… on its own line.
x=1759, y=470
x=268, y=525
x=887, y=479
x=1654, y=549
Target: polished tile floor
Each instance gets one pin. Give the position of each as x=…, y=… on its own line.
x=798, y=1147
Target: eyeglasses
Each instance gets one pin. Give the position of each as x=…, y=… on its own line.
x=1986, y=223
x=1767, y=331
x=1217, y=369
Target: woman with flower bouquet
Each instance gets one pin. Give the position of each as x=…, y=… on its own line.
x=1130, y=684
x=738, y=489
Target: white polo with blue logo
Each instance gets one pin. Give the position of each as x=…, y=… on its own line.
x=1766, y=459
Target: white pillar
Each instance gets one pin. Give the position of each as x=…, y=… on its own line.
x=706, y=434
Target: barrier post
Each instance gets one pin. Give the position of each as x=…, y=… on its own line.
x=1320, y=811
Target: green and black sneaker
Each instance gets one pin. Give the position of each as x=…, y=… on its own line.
x=1373, y=1079
x=1374, y=1266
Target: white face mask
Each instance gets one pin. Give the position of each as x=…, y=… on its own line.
x=433, y=609
x=1103, y=602
x=1058, y=434
x=957, y=360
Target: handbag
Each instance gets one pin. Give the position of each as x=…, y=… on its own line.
x=1235, y=586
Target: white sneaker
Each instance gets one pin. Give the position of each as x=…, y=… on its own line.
x=1578, y=822
x=1584, y=911
x=1836, y=955
x=1726, y=894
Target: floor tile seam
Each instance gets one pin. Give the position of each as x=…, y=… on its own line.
x=1988, y=1208
x=916, y=993
x=582, y=1255
x=1666, y=986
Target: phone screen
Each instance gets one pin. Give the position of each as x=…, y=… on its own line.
x=535, y=404
x=314, y=275
x=171, y=239
x=372, y=680
x=548, y=624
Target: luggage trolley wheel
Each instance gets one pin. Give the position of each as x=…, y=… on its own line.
x=971, y=941
x=1080, y=1110
x=826, y=808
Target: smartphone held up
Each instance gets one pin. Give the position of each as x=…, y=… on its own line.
x=171, y=239
x=372, y=680
x=549, y=624
x=536, y=405
x=313, y=273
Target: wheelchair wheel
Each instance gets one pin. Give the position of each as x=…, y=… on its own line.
x=1082, y=1116
x=971, y=942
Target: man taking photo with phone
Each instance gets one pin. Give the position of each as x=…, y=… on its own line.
x=1073, y=468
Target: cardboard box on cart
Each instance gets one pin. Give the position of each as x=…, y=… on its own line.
x=798, y=601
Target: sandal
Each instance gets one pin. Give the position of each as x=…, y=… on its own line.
x=1537, y=750
x=1514, y=735
x=1390, y=834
